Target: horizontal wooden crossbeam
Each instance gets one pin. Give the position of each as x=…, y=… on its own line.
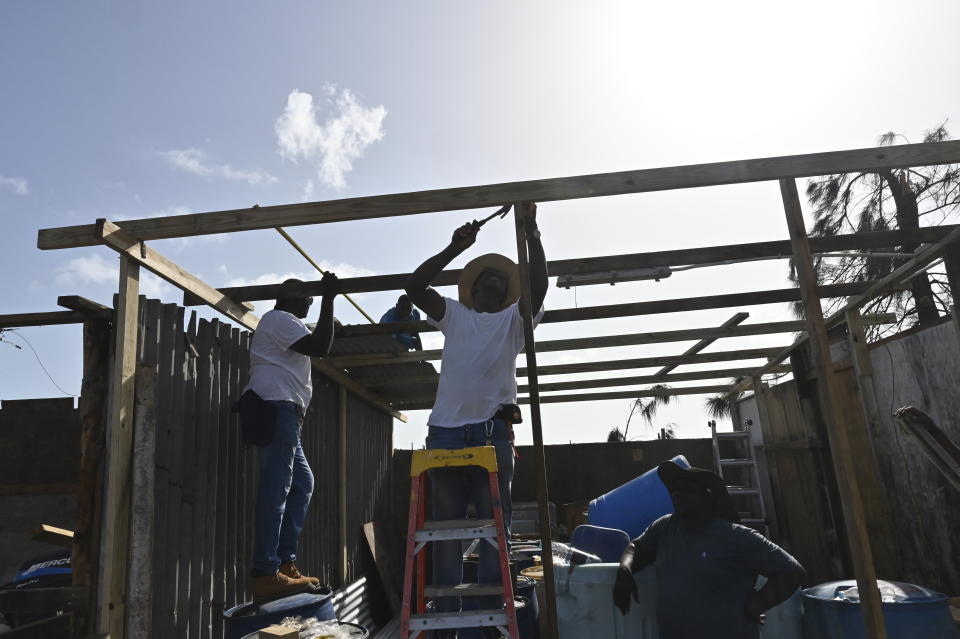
x=609, y=341
x=50, y=318
x=704, y=255
x=678, y=305
x=495, y=195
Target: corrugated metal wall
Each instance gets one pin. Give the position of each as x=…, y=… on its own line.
x=206, y=480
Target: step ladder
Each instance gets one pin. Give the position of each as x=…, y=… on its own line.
x=755, y=516
x=420, y=532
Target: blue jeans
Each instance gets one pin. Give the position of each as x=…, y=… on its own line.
x=283, y=495
x=452, y=489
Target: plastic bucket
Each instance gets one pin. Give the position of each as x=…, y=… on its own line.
x=634, y=505
x=247, y=618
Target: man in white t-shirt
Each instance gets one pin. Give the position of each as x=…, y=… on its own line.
x=280, y=353
x=483, y=334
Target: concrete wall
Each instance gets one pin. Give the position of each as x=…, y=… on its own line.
x=39, y=468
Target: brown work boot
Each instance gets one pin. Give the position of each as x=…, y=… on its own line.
x=269, y=587
x=289, y=569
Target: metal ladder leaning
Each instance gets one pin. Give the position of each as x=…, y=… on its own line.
x=756, y=517
x=420, y=532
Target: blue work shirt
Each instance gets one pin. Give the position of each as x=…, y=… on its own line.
x=410, y=341
x=705, y=576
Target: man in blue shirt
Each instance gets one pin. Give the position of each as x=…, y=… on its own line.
x=706, y=564
x=404, y=312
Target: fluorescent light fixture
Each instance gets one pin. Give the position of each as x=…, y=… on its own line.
x=613, y=277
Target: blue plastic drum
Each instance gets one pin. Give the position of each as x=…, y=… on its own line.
x=832, y=611
x=636, y=504
x=529, y=618
x=248, y=617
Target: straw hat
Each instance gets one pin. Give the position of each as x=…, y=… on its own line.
x=494, y=261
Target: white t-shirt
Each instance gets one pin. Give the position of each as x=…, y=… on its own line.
x=478, y=371
x=276, y=372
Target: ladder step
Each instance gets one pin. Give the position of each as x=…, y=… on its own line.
x=739, y=490
x=466, y=619
x=736, y=462
x=737, y=434
x=463, y=590
x=442, y=524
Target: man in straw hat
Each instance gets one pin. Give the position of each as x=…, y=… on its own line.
x=477, y=393
x=706, y=563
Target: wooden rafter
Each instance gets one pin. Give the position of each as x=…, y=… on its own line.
x=494, y=195
x=702, y=255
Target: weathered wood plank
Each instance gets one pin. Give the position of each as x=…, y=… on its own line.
x=545, y=190
x=83, y=305
x=139, y=621
x=17, y=320
x=738, y=318
x=840, y=442
x=115, y=531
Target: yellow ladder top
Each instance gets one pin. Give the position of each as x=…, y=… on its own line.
x=483, y=456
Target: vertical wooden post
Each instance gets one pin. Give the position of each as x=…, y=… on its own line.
x=92, y=406
x=140, y=572
x=344, y=557
x=113, y=556
x=550, y=621
x=840, y=446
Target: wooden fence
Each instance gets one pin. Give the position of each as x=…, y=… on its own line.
x=190, y=547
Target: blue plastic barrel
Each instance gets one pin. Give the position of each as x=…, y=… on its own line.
x=832, y=611
x=248, y=617
x=529, y=618
x=606, y=543
x=635, y=505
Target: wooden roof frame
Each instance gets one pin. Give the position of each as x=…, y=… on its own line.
x=129, y=240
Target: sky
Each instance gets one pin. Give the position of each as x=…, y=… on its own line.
x=128, y=109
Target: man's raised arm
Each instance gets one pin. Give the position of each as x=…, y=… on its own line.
x=418, y=284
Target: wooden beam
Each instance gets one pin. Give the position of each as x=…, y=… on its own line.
x=358, y=389
x=549, y=621
x=120, y=241
x=112, y=594
x=52, y=535
x=82, y=305
x=738, y=318
x=139, y=620
x=646, y=362
x=858, y=537
x=676, y=257
x=344, y=567
x=594, y=397
x=51, y=318
x=492, y=196
x=656, y=307
x=707, y=334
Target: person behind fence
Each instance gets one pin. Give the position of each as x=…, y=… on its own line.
x=404, y=312
x=271, y=412
x=476, y=396
x=706, y=564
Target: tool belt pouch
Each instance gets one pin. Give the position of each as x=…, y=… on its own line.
x=510, y=413
x=258, y=419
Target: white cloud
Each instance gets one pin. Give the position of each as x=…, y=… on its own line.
x=333, y=145
x=94, y=269
x=196, y=161
x=16, y=184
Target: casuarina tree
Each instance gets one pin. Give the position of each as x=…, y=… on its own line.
x=882, y=201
